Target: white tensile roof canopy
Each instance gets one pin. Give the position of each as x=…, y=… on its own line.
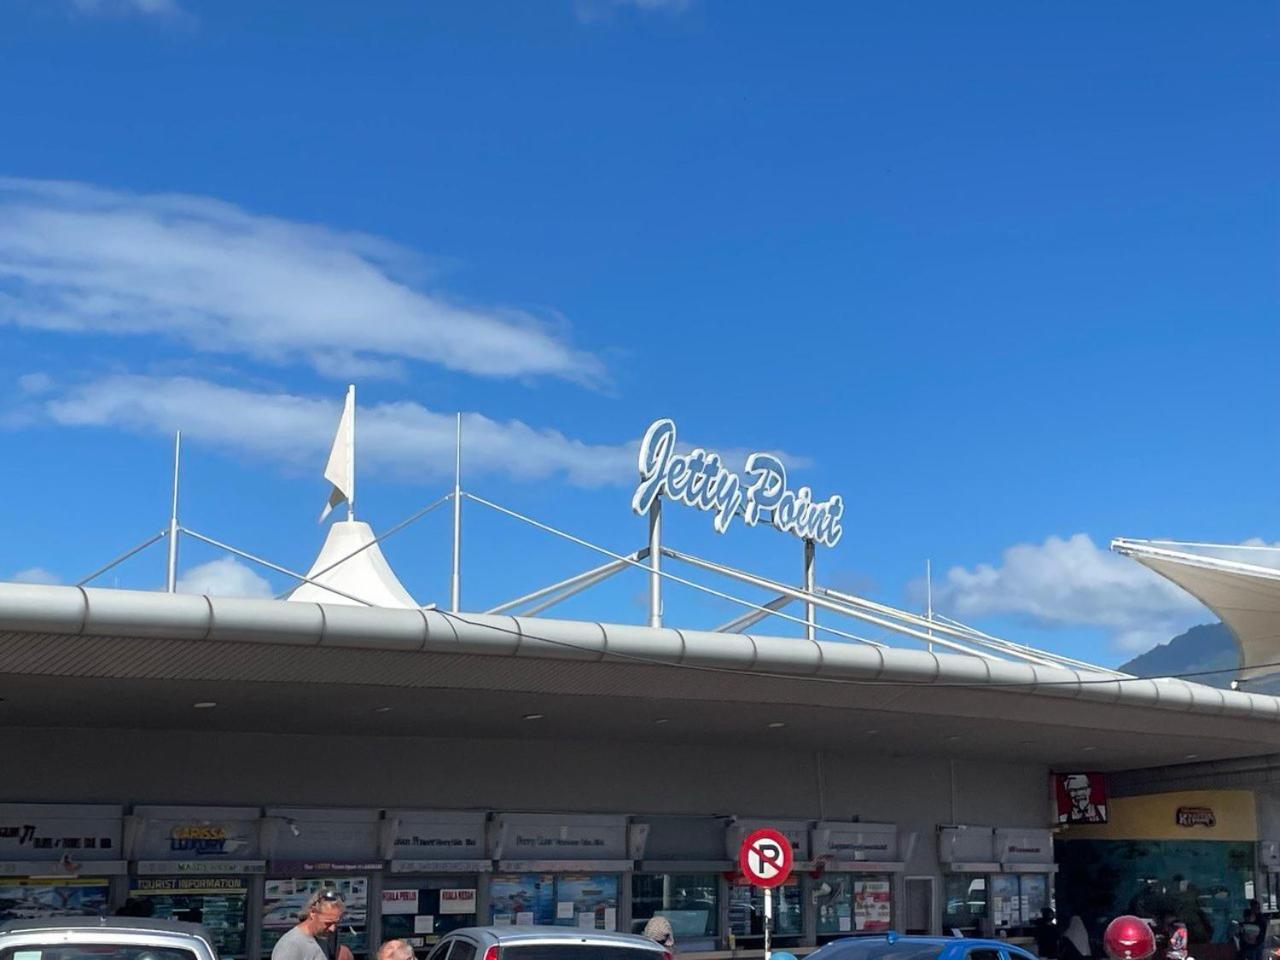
x=1244, y=595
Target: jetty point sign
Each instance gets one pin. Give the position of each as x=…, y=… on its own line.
x=700, y=479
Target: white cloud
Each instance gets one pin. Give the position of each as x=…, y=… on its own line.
x=589, y=10
x=1072, y=581
x=35, y=575
x=404, y=438
x=77, y=259
x=35, y=383
x=224, y=577
x=121, y=7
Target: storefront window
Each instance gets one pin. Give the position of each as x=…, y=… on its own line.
x=687, y=900
x=219, y=903
x=965, y=901
x=418, y=911
x=746, y=910
x=853, y=903
x=25, y=899
x=567, y=900
x=284, y=900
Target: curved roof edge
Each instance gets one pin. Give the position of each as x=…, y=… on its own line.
x=90, y=611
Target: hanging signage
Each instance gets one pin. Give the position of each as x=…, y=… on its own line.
x=765, y=858
x=700, y=479
x=1080, y=797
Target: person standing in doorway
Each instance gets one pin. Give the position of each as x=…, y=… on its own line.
x=317, y=920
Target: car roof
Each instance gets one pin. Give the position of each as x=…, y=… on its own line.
x=514, y=934
x=134, y=924
x=963, y=942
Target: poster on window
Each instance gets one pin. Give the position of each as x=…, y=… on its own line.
x=1080, y=797
x=39, y=900
x=523, y=899
x=587, y=901
x=871, y=905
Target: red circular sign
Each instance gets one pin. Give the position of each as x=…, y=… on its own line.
x=765, y=858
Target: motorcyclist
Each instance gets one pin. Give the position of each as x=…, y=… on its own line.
x=1129, y=938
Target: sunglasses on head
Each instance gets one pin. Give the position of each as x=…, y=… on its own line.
x=327, y=895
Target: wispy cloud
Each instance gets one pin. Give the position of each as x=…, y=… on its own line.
x=589, y=10
x=78, y=259
x=1072, y=582
x=403, y=438
x=224, y=577
x=149, y=8
x=35, y=575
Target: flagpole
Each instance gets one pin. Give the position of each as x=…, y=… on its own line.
x=171, y=578
x=351, y=455
x=455, y=593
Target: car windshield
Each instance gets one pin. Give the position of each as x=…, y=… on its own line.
x=93, y=951
x=573, y=951
x=877, y=950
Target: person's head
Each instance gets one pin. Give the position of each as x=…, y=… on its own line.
x=395, y=950
x=322, y=911
x=658, y=929
x=1077, y=787
x=1128, y=938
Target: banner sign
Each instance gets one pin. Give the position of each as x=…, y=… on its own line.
x=1080, y=797
x=699, y=479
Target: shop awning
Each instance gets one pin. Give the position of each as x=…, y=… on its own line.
x=1245, y=596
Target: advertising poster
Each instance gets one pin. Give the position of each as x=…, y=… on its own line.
x=589, y=901
x=439, y=909
x=37, y=899
x=1080, y=797
x=872, y=907
x=217, y=902
x=526, y=898
x=283, y=901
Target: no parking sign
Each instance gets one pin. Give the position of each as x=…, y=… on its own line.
x=765, y=858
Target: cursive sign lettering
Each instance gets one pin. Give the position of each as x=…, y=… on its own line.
x=700, y=479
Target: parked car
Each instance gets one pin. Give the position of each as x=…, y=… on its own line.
x=891, y=946
x=541, y=943
x=104, y=938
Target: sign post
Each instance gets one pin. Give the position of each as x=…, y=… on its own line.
x=765, y=859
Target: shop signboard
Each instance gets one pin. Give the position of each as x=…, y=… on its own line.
x=347, y=839
x=1024, y=847
x=54, y=832
x=437, y=841
x=700, y=479
x=1080, y=797
x=967, y=849
x=195, y=833
x=842, y=843
x=538, y=838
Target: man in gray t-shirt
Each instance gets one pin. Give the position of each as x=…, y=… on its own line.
x=318, y=918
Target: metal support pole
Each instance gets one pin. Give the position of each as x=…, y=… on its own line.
x=171, y=577
x=810, y=610
x=655, y=563
x=455, y=592
x=768, y=919
x=928, y=593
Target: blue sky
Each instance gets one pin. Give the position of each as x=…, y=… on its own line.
x=1001, y=274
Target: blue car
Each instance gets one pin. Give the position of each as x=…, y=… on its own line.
x=891, y=946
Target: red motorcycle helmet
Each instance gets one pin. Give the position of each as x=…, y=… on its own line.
x=1128, y=938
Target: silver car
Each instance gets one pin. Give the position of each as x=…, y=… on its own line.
x=104, y=938
x=541, y=943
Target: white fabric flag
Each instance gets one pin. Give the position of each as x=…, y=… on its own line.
x=341, y=468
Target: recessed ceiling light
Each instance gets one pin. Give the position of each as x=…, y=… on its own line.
x=954, y=737
x=663, y=720
x=533, y=716
x=1088, y=749
x=872, y=733
x=205, y=704
x=382, y=709
x=1026, y=743
x=776, y=725
x=1191, y=756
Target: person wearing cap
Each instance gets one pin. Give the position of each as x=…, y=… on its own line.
x=318, y=918
x=658, y=929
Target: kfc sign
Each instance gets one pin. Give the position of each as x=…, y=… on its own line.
x=1080, y=797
